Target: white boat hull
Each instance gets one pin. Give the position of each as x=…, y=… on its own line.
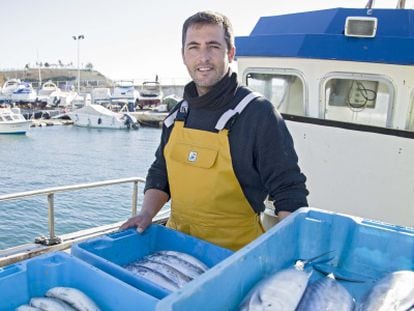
x=24, y=97
x=357, y=172
x=13, y=122
x=96, y=116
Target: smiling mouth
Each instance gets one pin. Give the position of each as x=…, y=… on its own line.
x=204, y=69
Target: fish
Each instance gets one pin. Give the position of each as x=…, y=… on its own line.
x=394, y=291
x=326, y=294
x=74, y=297
x=184, y=256
x=152, y=275
x=178, y=263
x=26, y=308
x=280, y=291
x=168, y=271
x=50, y=304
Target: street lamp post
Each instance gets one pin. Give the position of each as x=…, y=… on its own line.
x=78, y=38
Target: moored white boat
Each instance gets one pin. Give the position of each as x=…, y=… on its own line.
x=101, y=95
x=151, y=117
x=24, y=93
x=45, y=91
x=8, y=88
x=97, y=116
x=125, y=90
x=150, y=94
x=13, y=122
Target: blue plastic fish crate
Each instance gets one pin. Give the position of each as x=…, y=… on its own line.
x=362, y=251
x=33, y=277
x=113, y=251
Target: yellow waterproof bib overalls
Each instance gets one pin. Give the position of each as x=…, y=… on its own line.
x=206, y=198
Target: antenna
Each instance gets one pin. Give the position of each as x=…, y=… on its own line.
x=400, y=4
x=369, y=4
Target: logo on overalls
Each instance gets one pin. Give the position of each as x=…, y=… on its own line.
x=192, y=156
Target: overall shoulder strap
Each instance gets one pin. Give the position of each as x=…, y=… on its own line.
x=221, y=123
x=178, y=114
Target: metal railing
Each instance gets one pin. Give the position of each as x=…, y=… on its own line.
x=50, y=193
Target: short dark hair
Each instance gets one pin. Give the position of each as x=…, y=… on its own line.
x=210, y=18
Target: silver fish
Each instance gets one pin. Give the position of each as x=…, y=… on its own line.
x=326, y=294
x=152, y=275
x=178, y=263
x=27, y=308
x=50, y=304
x=280, y=291
x=169, y=272
x=184, y=256
x=395, y=291
x=74, y=297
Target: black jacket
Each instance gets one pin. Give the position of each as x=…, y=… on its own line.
x=263, y=155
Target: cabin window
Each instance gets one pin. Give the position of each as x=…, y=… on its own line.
x=1, y=119
x=285, y=91
x=8, y=118
x=358, y=100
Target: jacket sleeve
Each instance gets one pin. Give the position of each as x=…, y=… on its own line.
x=157, y=177
x=277, y=163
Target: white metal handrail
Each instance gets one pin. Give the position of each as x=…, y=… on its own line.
x=50, y=192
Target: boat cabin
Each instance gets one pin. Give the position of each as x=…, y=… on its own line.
x=344, y=81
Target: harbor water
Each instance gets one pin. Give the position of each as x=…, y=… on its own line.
x=66, y=155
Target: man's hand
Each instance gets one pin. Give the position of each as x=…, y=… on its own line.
x=141, y=221
x=283, y=214
x=154, y=200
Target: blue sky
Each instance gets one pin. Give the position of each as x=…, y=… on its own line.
x=125, y=39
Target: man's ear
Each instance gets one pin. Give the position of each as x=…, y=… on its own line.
x=231, y=53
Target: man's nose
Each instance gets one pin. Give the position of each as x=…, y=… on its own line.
x=205, y=54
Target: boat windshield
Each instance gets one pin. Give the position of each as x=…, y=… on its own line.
x=360, y=101
x=285, y=91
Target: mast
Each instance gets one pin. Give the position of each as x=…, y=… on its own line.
x=400, y=4
x=369, y=4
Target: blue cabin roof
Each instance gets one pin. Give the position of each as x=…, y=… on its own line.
x=320, y=35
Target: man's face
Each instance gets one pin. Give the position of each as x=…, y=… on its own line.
x=206, y=55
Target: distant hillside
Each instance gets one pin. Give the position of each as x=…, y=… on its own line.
x=88, y=77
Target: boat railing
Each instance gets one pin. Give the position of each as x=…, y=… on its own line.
x=52, y=239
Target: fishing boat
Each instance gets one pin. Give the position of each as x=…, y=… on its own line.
x=12, y=121
x=343, y=81
x=97, y=116
x=346, y=96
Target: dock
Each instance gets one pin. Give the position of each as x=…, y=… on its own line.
x=50, y=122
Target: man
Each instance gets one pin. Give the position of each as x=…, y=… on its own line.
x=223, y=149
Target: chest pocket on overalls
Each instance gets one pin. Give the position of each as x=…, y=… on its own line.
x=195, y=156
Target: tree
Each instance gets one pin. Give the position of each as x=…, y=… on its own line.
x=89, y=66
